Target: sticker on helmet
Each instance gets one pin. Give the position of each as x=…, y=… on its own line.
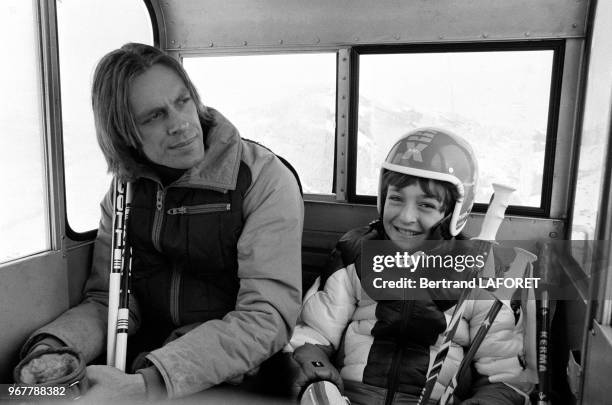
x=413, y=151
x=416, y=144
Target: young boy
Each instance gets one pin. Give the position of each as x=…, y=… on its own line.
x=383, y=349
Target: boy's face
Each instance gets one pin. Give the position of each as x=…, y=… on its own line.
x=409, y=214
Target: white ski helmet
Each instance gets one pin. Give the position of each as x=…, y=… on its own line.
x=436, y=154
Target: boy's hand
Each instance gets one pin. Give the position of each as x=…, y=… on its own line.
x=314, y=365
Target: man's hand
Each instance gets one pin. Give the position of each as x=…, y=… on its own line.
x=108, y=383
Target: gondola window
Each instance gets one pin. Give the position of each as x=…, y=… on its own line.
x=86, y=31
x=286, y=102
x=497, y=100
x=24, y=226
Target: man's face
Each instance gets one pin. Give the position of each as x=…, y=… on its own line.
x=167, y=118
x=409, y=214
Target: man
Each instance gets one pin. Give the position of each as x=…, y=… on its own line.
x=215, y=229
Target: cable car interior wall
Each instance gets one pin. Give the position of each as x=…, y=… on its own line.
x=537, y=133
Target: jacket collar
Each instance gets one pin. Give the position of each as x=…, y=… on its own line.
x=222, y=152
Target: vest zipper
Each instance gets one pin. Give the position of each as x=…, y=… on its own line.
x=397, y=356
x=158, y=219
x=200, y=209
x=175, y=285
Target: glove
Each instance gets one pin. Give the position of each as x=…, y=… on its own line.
x=314, y=365
x=495, y=394
x=63, y=366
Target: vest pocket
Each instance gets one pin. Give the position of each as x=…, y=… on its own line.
x=200, y=209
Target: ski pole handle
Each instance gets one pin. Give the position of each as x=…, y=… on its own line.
x=495, y=213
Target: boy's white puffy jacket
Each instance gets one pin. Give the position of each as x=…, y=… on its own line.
x=393, y=343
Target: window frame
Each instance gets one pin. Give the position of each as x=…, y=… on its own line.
x=91, y=234
x=558, y=48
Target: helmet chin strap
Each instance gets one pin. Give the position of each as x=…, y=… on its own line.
x=455, y=217
x=378, y=226
x=441, y=230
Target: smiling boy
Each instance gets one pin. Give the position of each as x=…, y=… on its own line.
x=382, y=350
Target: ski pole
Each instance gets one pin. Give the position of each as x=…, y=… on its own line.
x=119, y=277
x=545, y=270
x=484, y=242
x=518, y=267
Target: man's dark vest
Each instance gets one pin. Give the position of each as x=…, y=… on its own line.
x=185, y=251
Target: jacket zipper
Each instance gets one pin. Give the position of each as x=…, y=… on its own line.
x=397, y=356
x=175, y=285
x=200, y=209
x=158, y=219
x=175, y=281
